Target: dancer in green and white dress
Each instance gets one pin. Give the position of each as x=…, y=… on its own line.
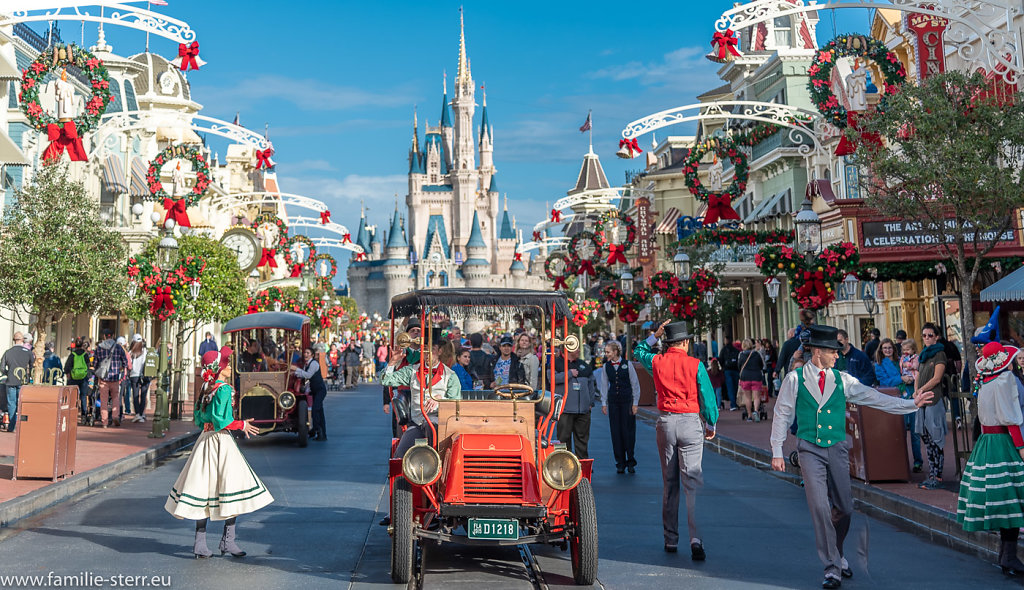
x=992, y=487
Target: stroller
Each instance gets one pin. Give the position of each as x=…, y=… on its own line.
x=91, y=413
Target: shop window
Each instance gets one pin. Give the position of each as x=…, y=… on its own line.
x=895, y=319
x=783, y=31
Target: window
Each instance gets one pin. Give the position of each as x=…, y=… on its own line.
x=129, y=96
x=115, y=105
x=444, y=278
x=783, y=31
x=895, y=318
x=267, y=349
x=430, y=278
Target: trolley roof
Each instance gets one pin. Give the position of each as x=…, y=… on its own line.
x=285, y=320
x=460, y=302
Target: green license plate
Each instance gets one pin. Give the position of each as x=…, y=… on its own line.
x=493, y=528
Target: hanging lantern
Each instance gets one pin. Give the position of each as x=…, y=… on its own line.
x=608, y=306
x=772, y=286
x=626, y=282
x=658, y=300
x=709, y=298
x=193, y=289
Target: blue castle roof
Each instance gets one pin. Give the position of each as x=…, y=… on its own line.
x=362, y=237
x=493, y=188
x=476, y=238
x=435, y=225
x=436, y=140
x=446, y=119
x=506, y=232
x=396, y=239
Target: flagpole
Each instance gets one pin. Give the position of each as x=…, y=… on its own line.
x=590, y=116
x=149, y=7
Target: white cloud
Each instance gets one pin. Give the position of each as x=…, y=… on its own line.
x=673, y=68
x=307, y=94
x=343, y=196
x=304, y=166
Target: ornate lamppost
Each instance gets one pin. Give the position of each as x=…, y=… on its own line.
x=167, y=260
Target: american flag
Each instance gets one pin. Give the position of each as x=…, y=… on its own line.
x=236, y=122
x=586, y=124
x=158, y=2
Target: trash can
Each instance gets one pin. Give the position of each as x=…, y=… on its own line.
x=877, y=443
x=44, y=446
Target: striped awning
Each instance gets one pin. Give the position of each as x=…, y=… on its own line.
x=1008, y=288
x=114, y=179
x=10, y=153
x=667, y=225
x=138, y=187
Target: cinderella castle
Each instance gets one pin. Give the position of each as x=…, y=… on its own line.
x=455, y=232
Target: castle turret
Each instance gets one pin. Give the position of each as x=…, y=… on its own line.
x=486, y=149
x=446, y=125
x=397, y=246
x=476, y=268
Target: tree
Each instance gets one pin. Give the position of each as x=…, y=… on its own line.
x=952, y=161
x=56, y=255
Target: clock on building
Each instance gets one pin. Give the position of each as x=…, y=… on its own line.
x=436, y=256
x=242, y=241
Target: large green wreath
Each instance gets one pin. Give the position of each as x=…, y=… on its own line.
x=725, y=147
x=559, y=279
x=820, y=73
x=47, y=62
x=174, y=152
x=282, y=228
x=289, y=261
x=623, y=218
x=334, y=266
x=577, y=262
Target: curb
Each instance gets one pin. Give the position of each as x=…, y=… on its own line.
x=45, y=497
x=934, y=524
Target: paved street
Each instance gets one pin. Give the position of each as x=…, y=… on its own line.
x=322, y=530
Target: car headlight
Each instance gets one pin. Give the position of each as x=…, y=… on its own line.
x=286, y=400
x=421, y=465
x=562, y=470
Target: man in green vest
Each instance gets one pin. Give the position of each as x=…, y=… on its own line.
x=816, y=396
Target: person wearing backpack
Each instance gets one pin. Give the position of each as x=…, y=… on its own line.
x=111, y=365
x=76, y=368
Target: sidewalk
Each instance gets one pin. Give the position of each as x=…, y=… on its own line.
x=931, y=513
x=101, y=454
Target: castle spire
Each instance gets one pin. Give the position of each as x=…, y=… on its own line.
x=415, y=131
x=463, y=72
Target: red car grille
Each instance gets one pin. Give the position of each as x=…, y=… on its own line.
x=492, y=478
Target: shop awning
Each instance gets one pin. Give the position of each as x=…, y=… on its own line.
x=1008, y=288
x=113, y=175
x=139, y=187
x=667, y=225
x=10, y=154
x=770, y=207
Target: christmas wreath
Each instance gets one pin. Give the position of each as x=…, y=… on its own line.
x=920, y=270
x=295, y=266
x=267, y=257
x=583, y=311
x=738, y=236
x=65, y=135
x=683, y=300
x=813, y=283
x=580, y=264
x=175, y=206
x=616, y=252
x=264, y=300
x=629, y=305
x=820, y=73
x=327, y=278
x=549, y=270
x=165, y=289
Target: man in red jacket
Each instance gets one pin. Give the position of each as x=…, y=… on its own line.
x=688, y=414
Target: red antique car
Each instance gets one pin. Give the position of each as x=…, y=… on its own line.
x=495, y=476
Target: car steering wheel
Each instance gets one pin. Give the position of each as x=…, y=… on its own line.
x=513, y=391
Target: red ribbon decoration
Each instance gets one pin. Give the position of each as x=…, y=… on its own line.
x=325, y=218
x=616, y=253
x=360, y=256
x=64, y=138
x=161, y=301
x=176, y=212
x=634, y=147
x=556, y=215
x=847, y=146
x=188, y=54
x=268, y=257
x=814, y=284
x=586, y=267
x=720, y=208
x=263, y=161
x=560, y=280
x=518, y=256
x=346, y=239
x=297, y=269
x=536, y=236
x=252, y=309
x=725, y=43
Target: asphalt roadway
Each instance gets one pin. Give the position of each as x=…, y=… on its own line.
x=322, y=532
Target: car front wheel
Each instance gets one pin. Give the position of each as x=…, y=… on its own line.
x=401, y=537
x=302, y=426
x=583, y=542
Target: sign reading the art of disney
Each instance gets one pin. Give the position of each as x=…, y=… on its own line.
x=896, y=234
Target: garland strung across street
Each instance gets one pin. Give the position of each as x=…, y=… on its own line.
x=720, y=203
x=267, y=257
x=812, y=284
x=65, y=134
x=629, y=305
x=929, y=269
x=616, y=252
x=683, y=300
x=175, y=206
x=558, y=277
x=737, y=236
x=581, y=264
x=294, y=265
x=165, y=289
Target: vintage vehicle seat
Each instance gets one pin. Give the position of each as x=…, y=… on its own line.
x=490, y=417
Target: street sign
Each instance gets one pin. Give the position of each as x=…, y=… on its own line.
x=644, y=235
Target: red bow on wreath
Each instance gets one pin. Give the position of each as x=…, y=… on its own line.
x=297, y=269
x=346, y=238
x=263, y=159
x=64, y=138
x=616, y=253
x=556, y=215
x=176, y=212
x=268, y=257
x=847, y=146
x=560, y=283
x=814, y=284
x=536, y=236
x=188, y=55
x=725, y=43
x=631, y=145
x=162, y=301
x=586, y=266
x=719, y=208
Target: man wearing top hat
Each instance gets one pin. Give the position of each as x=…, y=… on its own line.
x=688, y=414
x=816, y=395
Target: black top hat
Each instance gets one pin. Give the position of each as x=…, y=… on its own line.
x=677, y=331
x=436, y=337
x=823, y=337
x=413, y=322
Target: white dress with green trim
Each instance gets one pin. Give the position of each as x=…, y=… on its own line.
x=992, y=487
x=216, y=482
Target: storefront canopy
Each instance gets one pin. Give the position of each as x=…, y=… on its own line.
x=1008, y=288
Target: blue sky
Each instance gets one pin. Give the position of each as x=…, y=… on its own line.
x=337, y=82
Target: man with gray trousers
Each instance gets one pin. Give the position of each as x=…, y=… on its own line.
x=574, y=424
x=16, y=364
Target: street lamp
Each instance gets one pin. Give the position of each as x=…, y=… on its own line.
x=808, y=229
x=167, y=259
x=626, y=282
x=252, y=282
x=277, y=306
x=709, y=298
x=870, y=303
x=658, y=300
x=578, y=292
x=850, y=284
x=193, y=289
x=304, y=283
x=681, y=265
x=133, y=289
x=772, y=286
